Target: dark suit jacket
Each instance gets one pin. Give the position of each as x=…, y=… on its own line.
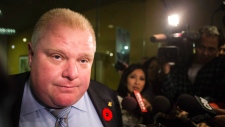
x=100, y=95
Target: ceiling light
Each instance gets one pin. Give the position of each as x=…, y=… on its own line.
x=110, y=26
x=7, y=31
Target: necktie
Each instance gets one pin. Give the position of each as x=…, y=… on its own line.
x=61, y=116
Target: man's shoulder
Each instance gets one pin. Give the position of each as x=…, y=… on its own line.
x=100, y=88
x=217, y=63
x=20, y=75
x=17, y=81
x=97, y=85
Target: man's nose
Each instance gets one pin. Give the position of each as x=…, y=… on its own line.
x=205, y=52
x=71, y=71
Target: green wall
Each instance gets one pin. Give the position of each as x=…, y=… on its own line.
x=21, y=49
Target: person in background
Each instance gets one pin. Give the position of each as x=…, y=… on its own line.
x=222, y=50
x=120, y=67
x=203, y=75
x=133, y=78
x=58, y=89
x=152, y=67
x=144, y=59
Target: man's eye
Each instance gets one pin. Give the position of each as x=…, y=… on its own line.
x=57, y=56
x=83, y=61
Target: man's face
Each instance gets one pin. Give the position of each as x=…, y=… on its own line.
x=207, y=49
x=222, y=50
x=61, y=66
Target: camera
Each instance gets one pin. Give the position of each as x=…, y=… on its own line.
x=168, y=54
x=179, y=45
x=120, y=66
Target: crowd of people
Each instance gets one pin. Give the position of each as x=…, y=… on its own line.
x=203, y=75
x=66, y=96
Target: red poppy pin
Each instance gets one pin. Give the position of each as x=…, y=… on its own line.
x=107, y=114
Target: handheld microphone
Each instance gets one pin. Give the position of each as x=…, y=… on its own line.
x=197, y=107
x=129, y=103
x=140, y=101
x=160, y=104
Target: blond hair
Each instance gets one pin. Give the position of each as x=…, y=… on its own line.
x=61, y=16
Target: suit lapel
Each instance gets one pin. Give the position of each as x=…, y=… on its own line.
x=100, y=104
x=18, y=87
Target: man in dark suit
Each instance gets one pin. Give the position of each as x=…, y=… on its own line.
x=61, y=54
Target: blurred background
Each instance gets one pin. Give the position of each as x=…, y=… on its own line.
x=123, y=28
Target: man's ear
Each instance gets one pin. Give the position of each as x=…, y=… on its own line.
x=30, y=53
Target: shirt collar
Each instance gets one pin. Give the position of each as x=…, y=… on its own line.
x=81, y=104
x=29, y=103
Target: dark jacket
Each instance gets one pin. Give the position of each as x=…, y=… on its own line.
x=100, y=96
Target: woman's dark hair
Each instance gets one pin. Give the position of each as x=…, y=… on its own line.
x=122, y=88
x=147, y=62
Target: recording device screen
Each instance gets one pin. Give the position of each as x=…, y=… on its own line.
x=168, y=54
x=120, y=66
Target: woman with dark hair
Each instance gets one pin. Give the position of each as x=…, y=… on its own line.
x=151, y=66
x=132, y=79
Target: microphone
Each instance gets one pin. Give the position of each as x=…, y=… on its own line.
x=129, y=103
x=160, y=104
x=140, y=101
x=197, y=107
